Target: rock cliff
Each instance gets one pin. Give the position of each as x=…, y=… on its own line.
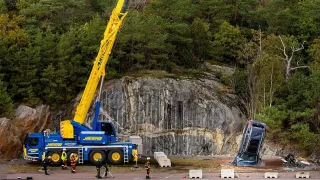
x=177, y=116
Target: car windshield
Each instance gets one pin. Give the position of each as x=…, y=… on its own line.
x=248, y=157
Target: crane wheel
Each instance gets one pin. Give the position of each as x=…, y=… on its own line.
x=115, y=157
x=95, y=155
x=55, y=158
x=76, y=157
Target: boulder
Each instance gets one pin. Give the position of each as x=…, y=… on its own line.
x=13, y=132
x=11, y=145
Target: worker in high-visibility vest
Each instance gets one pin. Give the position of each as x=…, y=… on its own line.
x=73, y=163
x=64, y=159
x=135, y=157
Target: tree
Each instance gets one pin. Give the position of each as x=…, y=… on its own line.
x=201, y=37
x=288, y=57
x=227, y=43
x=3, y=7
x=24, y=76
x=6, y=104
x=314, y=51
x=142, y=44
x=216, y=12
x=59, y=15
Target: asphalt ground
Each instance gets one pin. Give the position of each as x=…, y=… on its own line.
x=314, y=175
x=210, y=166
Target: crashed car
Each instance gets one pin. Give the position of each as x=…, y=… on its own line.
x=291, y=161
x=251, y=144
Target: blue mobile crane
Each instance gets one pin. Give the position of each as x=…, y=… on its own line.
x=100, y=141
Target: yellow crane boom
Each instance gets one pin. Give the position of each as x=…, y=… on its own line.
x=98, y=69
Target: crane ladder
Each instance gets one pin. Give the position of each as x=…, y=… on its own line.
x=126, y=155
x=80, y=155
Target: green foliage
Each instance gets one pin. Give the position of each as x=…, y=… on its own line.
x=47, y=48
x=239, y=82
x=296, y=90
x=227, y=43
x=313, y=94
x=142, y=43
x=6, y=104
x=3, y=7
x=315, y=52
x=273, y=117
x=201, y=37
x=59, y=14
x=308, y=141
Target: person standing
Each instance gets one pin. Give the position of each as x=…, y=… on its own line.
x=45, y=163
x=98, y=166
x=73, y=163
x=147, y=165
x=64, y=159
x=106, y=168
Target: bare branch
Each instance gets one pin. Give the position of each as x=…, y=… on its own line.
x=299, y=67
x=294, y=49
x=284, y=49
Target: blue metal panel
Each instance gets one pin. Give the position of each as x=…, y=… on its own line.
x=78, y=128
x=96, y=116
x=93, y=138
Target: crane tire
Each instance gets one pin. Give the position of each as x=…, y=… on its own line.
x=55, y=157
x=95, y=154
x=115, y=157
x=75, y=154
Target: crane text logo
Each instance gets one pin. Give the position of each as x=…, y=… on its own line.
x=33, y=150
x=92, y=138
x=54, y=144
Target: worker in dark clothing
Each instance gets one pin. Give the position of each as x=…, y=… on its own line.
x=106, y=171
x=98, y=166
x=45, y=163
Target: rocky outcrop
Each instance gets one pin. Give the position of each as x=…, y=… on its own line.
x=10, y=146
x=26, y=120
x=177, y=116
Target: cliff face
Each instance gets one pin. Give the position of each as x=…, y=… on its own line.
x=179, y=117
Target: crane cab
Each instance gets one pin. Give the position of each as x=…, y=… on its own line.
x=33, y=146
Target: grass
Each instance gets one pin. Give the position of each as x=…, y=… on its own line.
x=151, y=73
x=176, y=73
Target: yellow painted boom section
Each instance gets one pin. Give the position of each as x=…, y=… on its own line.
x=98, y=69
